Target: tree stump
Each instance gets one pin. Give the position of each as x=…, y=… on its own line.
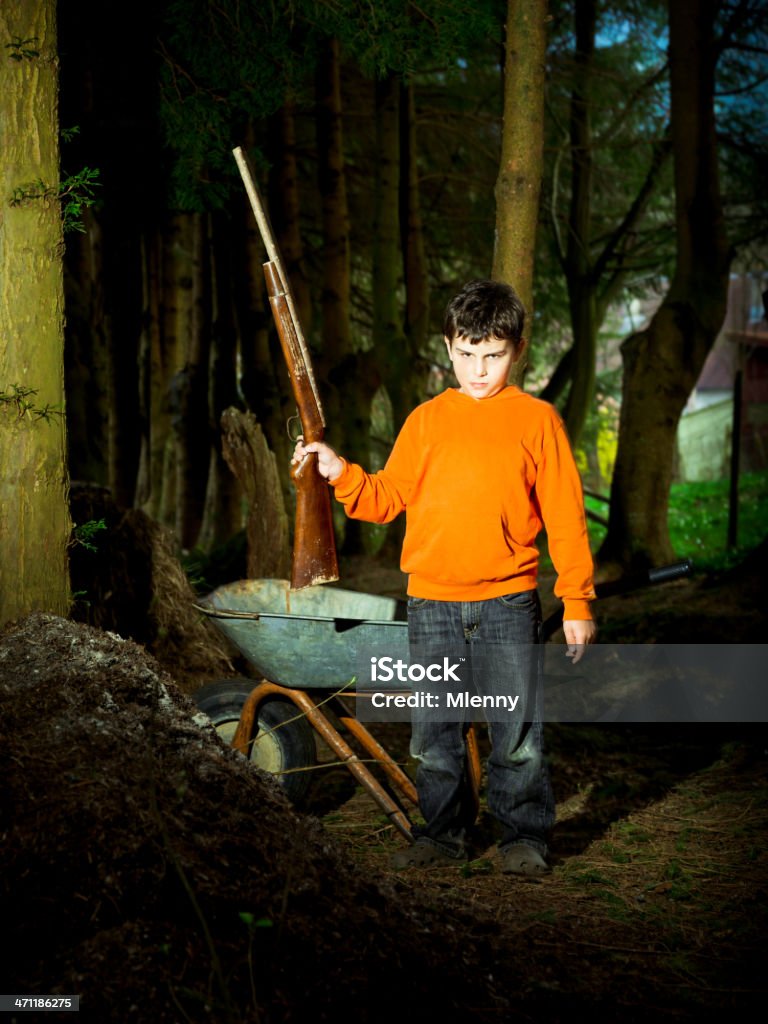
x=254, y=465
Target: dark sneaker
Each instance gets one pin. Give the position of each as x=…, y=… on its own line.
x=523, y=860
x=424, y=855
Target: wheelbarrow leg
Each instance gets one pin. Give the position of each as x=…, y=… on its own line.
x=375, y=749
x=473, y=767
x=246, y=727
x=346, y=754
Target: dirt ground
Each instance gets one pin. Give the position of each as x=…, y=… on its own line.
x=152, y=871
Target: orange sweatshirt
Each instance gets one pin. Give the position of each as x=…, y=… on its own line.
x=477, y=480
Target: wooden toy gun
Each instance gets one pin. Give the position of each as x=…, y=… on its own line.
x=314, y=546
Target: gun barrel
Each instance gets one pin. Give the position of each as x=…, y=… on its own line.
x=299, y=367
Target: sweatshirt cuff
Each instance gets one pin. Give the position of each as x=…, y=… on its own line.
x=575, y=609
x=339, y=480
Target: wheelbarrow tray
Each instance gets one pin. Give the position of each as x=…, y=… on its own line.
x=315, y=638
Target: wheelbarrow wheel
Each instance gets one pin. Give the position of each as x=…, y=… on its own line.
x=278, y=748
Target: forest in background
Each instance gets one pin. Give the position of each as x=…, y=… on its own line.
x=144, y=865
x=378, y=132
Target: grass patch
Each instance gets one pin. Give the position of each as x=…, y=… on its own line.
x=698, y=520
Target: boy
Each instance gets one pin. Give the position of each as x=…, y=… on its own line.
x=478, y=470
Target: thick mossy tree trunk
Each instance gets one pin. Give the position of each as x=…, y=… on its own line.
x=34, y=517
x=663, y=362
x=519, y=181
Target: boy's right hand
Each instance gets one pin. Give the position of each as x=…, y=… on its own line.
x=329, y=464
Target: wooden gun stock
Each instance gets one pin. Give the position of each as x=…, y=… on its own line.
x=314, y=545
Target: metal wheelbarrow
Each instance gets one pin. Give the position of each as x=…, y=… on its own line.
x=306, y=645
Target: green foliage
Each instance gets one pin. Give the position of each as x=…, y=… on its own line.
x=84, y=533
x=252, y=922
x=229, y=66
x=698, y=520
x=21, y=399
x=406, y=38
x=75, y=193
x=21, y=49
x=224, y=66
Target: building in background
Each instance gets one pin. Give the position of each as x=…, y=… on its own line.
x=707, y=424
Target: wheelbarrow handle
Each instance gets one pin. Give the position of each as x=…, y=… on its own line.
x=675, y=571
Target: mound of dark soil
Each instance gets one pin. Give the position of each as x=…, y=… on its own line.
x=147, y=868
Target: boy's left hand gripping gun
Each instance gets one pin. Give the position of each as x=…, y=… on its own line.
x=314, y=545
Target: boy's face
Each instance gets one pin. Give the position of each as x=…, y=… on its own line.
x=482, y=368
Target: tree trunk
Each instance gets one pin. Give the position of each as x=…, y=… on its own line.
x=86, y=359
x=662, y=363
x=188, y=343
x=412, y=229
x=388, y=339
x=149, y=375
x=348, y=397
x=522, y=147
x=34, y=517
x=222, y=515
x=389, y=343
x=578, y=256
x=284, y=209
x=595, y=270
x=337, y=335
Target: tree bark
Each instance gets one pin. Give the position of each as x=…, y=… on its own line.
x=34, y=517
x=222, y=514
x=253, y=464
x=337, y=335
x=86, y=357
x=149, y=373
x=188, y=336
x=389, y=343
x=415, y=270
x=284, y=209
x=347, y=400
x=519, y=180
x=388, y=337
x=663, y=362
x=578, y=256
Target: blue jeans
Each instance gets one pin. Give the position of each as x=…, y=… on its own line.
x=501, y=638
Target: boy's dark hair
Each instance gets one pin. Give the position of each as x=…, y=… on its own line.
x=485, y=309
